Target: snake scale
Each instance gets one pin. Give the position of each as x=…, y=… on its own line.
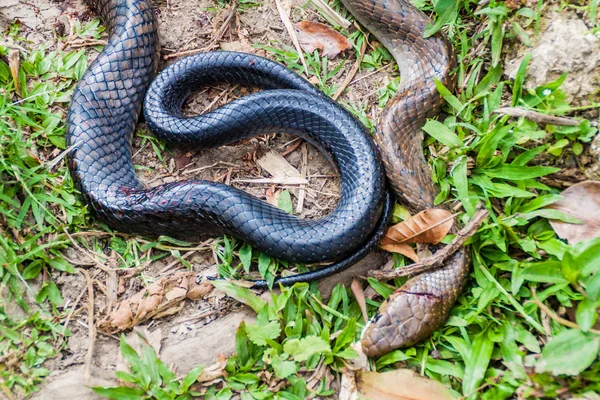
x=107, y=103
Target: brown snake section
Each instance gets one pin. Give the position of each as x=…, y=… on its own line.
x=423, y=304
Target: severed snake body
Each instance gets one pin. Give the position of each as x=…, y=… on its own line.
x=107, y=102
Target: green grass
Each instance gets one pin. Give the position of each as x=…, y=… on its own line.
x=497, y=342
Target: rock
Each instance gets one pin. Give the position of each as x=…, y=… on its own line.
x=373, y=260
x=564, y=45
x=70, y=385
x=213, y=339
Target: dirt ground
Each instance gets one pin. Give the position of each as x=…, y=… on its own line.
x=205, y=328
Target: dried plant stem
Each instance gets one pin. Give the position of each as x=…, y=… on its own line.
x=537, y=116
x=555, y=316
x=292, y=32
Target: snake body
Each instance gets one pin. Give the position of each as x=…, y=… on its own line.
x=108, y=100
x=104, y=111
x=423, y=303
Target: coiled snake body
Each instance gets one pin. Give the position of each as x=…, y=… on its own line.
x=108, y=100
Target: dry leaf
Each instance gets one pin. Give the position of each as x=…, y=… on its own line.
x=163, y=297
x=429, y=226
x=316, y=36
x=14, y=63
x=348, y=389
x=401, y=384
x=214, y=372
x=400, y=248
x=272, y=196
x=359, y=295
x=581, y=201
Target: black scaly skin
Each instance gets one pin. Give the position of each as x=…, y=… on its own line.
x=105, y=109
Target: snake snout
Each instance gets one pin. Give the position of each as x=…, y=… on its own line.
x=404, y=319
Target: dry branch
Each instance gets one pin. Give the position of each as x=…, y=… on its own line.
x=537, y=116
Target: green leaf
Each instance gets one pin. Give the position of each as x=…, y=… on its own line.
x=120, y=393
x=346, y=337
x=448, y=96
x=190, y=378
x=520, y=78
x=303, y=349
x=285, y=202
x=240, y=293
x=130, y=355
x=545, y=271
x=383, y=289
x=246, y=256
x=264, y=261
x=587, y=314
x=446, y=11
x=569, y=353
x=539, y=202
x=283, y=369
x=33, y=270
x=459, y=175
x=60, y=264
x=551, y=214
x=258, y=334
x=517, y=173
x=489, y=144
x=477, y=363
x=442, y=134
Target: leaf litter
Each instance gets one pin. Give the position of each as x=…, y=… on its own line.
x=317, y=36
x=162, y=298
x=429, y=226
x=581, y=201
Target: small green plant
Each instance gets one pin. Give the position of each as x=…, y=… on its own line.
x=149, y=378
x=293, y=334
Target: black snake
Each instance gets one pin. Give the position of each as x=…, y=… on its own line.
x=108, y=100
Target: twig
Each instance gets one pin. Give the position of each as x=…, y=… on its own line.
x=193, y=171
x=214, y=40
x=537, y=116
x=378, y=70
x=304, y=171
x=79, y=43
x=276, y=180
x=292, y=32
x=330, y=14
x=299, y=141
x=436, y=260
x=555, y=316
x=353, y=71
x=91, y=327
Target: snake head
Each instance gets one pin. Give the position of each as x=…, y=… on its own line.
x=405, y=318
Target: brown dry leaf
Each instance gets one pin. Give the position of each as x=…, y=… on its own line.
x=581, y=201
x=359, y=295
x=401, y=384
x=400, y=248
x=429, y=226
x=272, y=196
x=348, y=385
x=316, y=36
x=14, y=63
x=215, y=371
x=163, y=297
